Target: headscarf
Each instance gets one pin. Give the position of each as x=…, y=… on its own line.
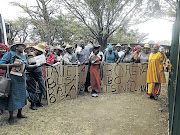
x=5, y=46
x=156, y=46
x=110, y=48
x=136, y=48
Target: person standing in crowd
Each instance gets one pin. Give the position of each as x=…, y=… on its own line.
x=68, y=57
x=17, y=99
x=28, y=49
x=162, y=51
x=155, y=74
x=83, y=54
x=3, y=50
x=35, y=81
x=94, y=73
x=51, y=58
x=118, y=50
x=101, y=57
x=110, y=56
x=143, y=57
x=127, y=57
x=136, y=52
x=59, y=55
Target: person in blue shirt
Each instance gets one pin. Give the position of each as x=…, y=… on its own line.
x=17, y=98
x=110, y=55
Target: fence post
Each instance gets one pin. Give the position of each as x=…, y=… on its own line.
x=174, y=86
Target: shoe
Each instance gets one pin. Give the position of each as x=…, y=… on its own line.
x=155, y=97
x=11, y=121
x=94, y=95
x=86, y=91
x=20, y=116
x=39, y=105
x=33, y=107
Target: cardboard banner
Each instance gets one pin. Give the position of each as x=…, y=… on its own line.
x=65, y=82
x=124, y=77
x=83, y=69
x=62, y=83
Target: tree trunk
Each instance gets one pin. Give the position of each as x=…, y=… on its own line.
x=103, y=43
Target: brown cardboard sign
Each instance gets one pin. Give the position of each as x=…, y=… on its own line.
x=62, y=83
x=124, y=77
x=83, y=69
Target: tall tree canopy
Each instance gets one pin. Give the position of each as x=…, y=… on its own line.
x=104, y=17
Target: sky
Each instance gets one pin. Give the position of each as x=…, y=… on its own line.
x=158, y=29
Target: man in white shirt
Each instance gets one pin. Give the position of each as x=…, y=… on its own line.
x=118, y=49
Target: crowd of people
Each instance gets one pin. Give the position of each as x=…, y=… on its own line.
x=31, y=85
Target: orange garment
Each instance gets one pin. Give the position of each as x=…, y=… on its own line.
x=95, y=78
x=155, y=72
x=154, y=89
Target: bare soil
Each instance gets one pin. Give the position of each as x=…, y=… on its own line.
x=109, y=114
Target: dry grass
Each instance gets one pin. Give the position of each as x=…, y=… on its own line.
x=109, y=114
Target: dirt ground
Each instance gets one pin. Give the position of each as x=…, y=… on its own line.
x=109, y=114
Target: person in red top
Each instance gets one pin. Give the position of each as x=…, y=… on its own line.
x=95, y=78
x=3, y=50
x=52, y=58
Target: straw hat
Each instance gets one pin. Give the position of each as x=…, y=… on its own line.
x=146, y=46
x=68, y=46
x=28, y=46
x=17, y=42
x=118, y=45
x=40, y=47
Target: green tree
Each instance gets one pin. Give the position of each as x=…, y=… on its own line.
x=41, y=17
x=104, y=17
x=19, y=29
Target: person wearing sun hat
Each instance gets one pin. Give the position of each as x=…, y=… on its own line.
x=119, y=51
x=144, y=55
x=155, y=73
x=35, y=80
x=59, y=55
x=17, y=100
x=67, y=58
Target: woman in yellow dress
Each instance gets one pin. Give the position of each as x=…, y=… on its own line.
x=155, y=74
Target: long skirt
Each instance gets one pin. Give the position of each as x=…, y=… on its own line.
x=154, y=89
x=35, y=86
x=17, y=98
x=95, y=78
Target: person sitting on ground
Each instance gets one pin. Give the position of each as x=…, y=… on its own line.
x=94, y=73
x=143, y=57
x=110, y=56
x=155, y=73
